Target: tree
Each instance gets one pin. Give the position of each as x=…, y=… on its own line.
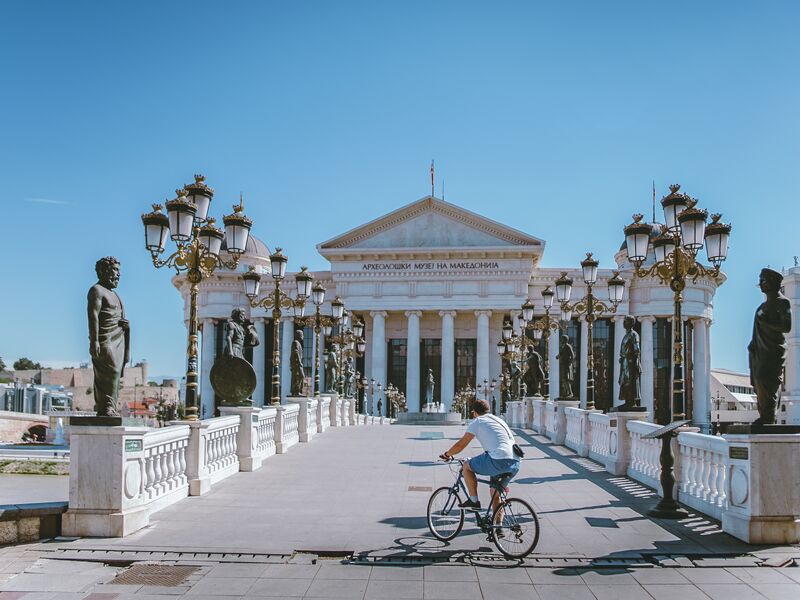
x=2, y=364
x=26, y=364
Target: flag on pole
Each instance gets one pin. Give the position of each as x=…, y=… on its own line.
x=432, y=177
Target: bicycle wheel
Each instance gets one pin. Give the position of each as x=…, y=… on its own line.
x=445, y=519
x=516, y=529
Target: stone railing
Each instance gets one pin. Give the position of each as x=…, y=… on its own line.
x=703, y=472
x=286, y=427
x=163, y=465
x=599, y=437
x=265, y=433
x=538, y=424
x=255, y=439
x=344, y=411
x=323, y=414
x=644, y=466
x=577, y=436
x=306, y=417
x=212, y=455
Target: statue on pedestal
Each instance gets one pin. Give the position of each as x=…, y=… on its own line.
x=515, y=375
x=109, y=336
x=232, y=376
x=429, y=385
x=348, y=374
x=630, y=368
x=534, y=374
x=566, y=371
x=332, y=369
x=767, y=349
x=296, y=365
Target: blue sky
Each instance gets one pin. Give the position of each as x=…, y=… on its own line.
x=553, y=117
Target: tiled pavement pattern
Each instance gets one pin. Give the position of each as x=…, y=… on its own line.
x=351, y=490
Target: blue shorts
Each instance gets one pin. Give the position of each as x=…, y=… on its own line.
x=483, y=464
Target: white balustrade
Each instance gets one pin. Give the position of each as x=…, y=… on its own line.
x=286, y=427
x=703, y=471
x=644, y=464
x=323, y=414
x=539, y=415
x=599, y=437
x=163, y=464
x=576, y=419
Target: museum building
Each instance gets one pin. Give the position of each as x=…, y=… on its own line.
x=434, y=284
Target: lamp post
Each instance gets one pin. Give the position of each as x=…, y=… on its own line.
x=276, y=299
x=320, y=323
x=590, y=306
x=541, y=332
x=199, y=243
x=350, y=341
x=675, y=252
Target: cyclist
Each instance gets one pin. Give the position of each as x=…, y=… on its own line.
x=497, y=459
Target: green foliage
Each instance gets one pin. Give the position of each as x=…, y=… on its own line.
x=2, y=364
x=26, y=364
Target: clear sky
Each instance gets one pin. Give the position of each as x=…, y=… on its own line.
x=553, y=117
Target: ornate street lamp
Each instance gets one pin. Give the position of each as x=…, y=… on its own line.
x=320, y=323
x=541, y=333
x=199, y=243
x=675, y=252
x=590, y=306
x=349, y=341
x=276, y=299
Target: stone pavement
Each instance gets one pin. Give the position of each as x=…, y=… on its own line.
x=364, y=490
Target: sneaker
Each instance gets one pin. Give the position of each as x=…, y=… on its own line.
x=499, y=533
x=470, y=505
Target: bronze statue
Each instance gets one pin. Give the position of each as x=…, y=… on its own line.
x=566, y=373
x=534, y=374
x=240, y=332
x=630, y=368
x=232, y=377
x=348, y=374
x=296, y=365
x=332, y=369
x=767, y=349
x=515, y=373
x=429, y=385
x=109, y=336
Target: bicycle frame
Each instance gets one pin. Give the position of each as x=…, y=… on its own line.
x=497, y=492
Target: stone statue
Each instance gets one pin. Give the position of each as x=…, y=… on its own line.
x=630, y=368
x=296, y=365
x=534, y=374
x=232, y=377
x=332, y=369
x=767, y=349
x=515, y=374
x=109, y=337
x=429, y=384
x=566, y=372
x=239, y=332
x=348, y=373
x=380, y=408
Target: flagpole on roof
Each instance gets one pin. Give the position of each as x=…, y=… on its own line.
x=432, y=179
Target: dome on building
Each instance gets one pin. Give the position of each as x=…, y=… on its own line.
x=255, y=248
x=655, y=231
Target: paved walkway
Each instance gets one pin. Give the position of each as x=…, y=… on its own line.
x=364, y=490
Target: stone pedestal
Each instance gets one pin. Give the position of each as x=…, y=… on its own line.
x=334, y=408
x=514, y=413
x=344, y=411
x=556, y=419
x=619, y=444
x=352, y=411
x=539, y=407
x=199, y=479
x=304, y=431
x=246, y=436
x=763, y=488
x=528, y=410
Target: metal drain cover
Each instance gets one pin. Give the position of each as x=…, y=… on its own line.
x=163, y=575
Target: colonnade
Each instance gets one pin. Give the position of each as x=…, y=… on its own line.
x=378, y=368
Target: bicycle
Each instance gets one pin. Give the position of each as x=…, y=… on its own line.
x=513, y=526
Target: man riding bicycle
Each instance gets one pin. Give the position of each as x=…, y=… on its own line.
x=497, y=459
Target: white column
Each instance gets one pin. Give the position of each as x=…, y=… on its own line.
x=583, y=361
x=482, y=359
x=287, y=337
x=515, y=326
x=619, y=333
x=647, y=364
x=701, y=389
x=379, y=348
x=412, y=360
x=552, y=353
x=448, y=383
x=207, y=351
x=259, y=363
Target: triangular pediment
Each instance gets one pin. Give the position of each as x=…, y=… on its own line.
x=431, y=223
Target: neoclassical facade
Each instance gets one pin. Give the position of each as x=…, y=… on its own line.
x=434, y=283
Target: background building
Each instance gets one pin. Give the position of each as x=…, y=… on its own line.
x=434, y=283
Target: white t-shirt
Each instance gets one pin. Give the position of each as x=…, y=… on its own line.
x=493, y=436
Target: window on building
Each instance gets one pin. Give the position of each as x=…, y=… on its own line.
x=688, y=372
x=603, y=351
x=308, y=351
x=465, y=368
x=396, y=362
x=662, y=370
